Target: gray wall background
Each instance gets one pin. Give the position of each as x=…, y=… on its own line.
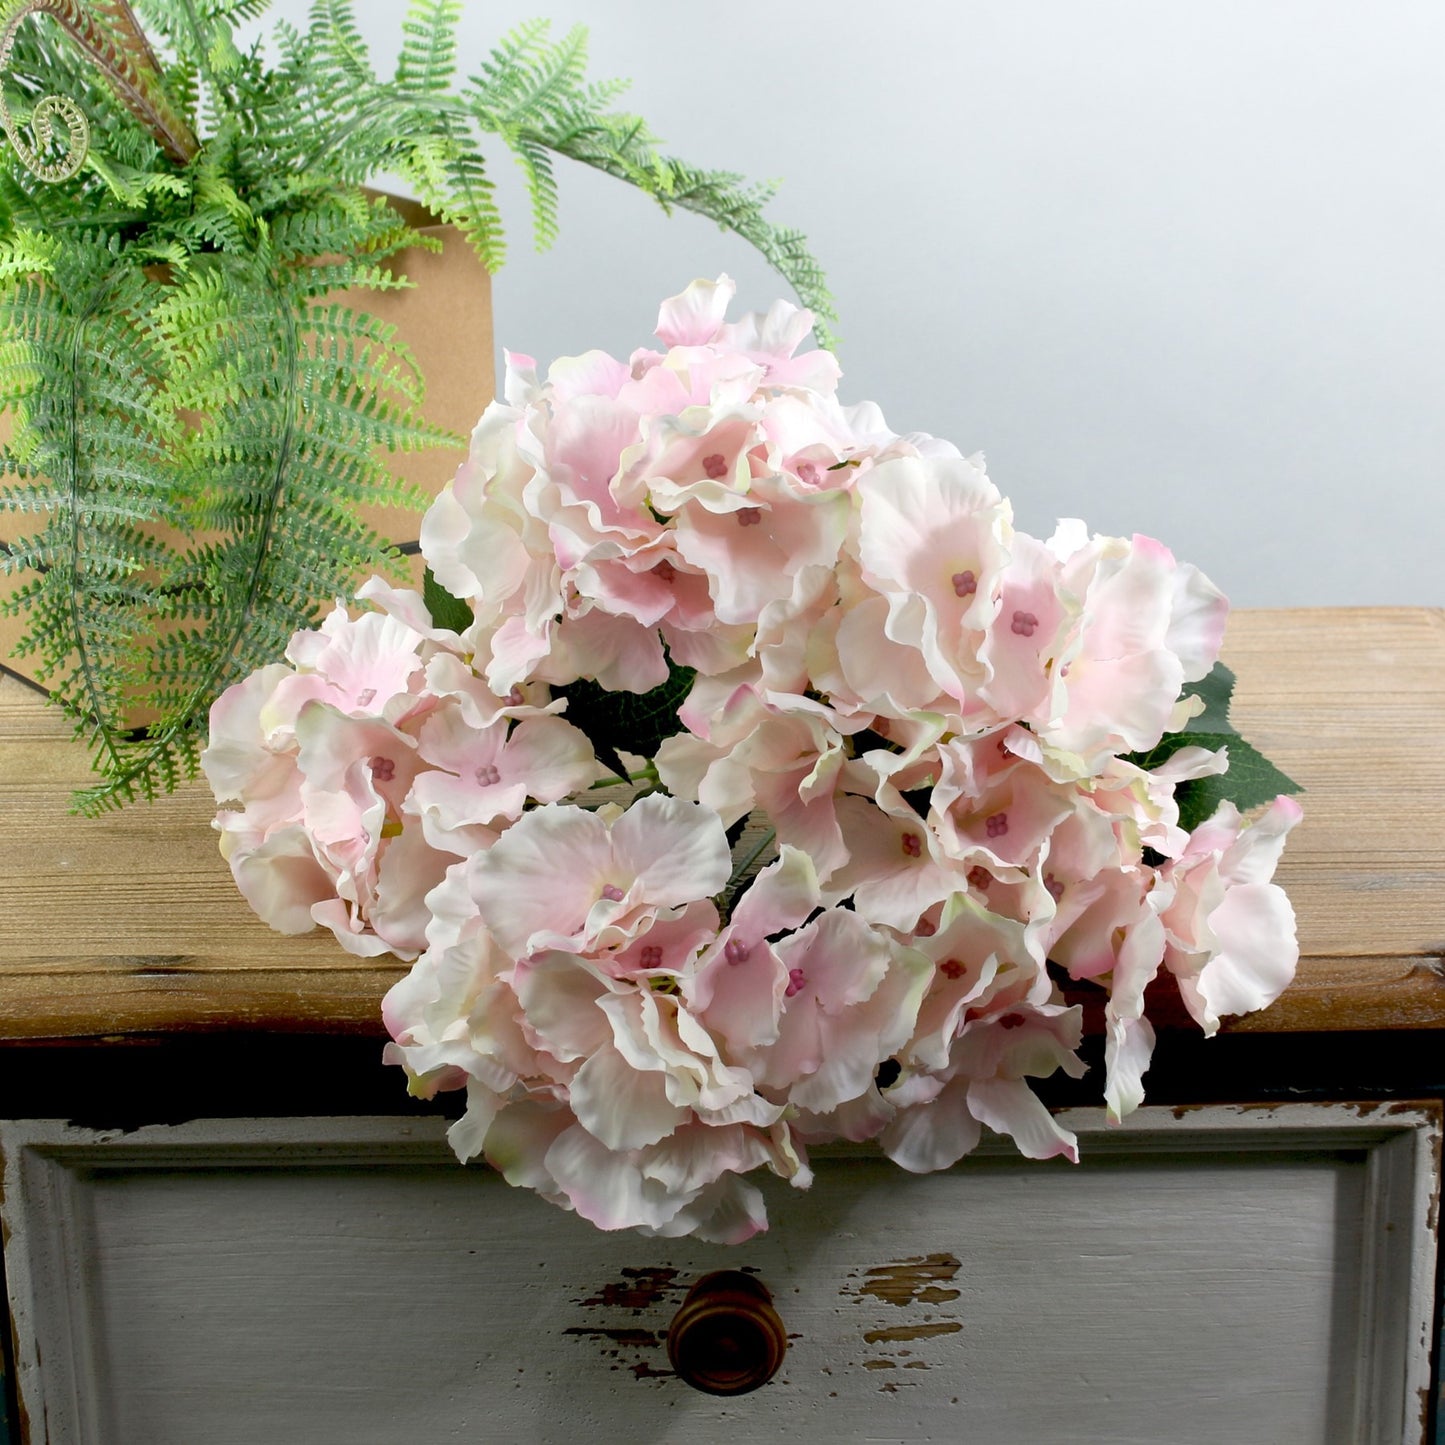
x=1174, y=268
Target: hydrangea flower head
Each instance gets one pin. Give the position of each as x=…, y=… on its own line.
x=903, y=783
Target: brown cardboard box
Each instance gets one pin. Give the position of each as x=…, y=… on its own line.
x=446, y=320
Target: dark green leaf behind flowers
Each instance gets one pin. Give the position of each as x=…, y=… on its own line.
x=636, y=721
x=1251, y=779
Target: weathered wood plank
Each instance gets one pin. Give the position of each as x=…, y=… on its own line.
x=1349, y=703
x=130, y=923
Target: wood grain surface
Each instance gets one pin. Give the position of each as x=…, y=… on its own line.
x=130, y=924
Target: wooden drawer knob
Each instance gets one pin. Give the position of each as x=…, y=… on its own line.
x=726, y=1337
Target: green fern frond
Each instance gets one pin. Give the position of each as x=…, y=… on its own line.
x=722, y=197
x=288, y=436
x=341, y=51
x=516, y=51
x=425, y=163
x=428, y=58
x=174, y=353
x=90, y=426
x=536, y=162
x=473, y=207
x=550, y=80
x=26, y=252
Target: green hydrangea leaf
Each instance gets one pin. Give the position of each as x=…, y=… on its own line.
x=637, y=722
x=1217, y=690
x=1209, y=729
x=446, y=610
x=1251, y=780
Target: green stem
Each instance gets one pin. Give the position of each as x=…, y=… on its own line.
x=647, y=775
x=741, y=871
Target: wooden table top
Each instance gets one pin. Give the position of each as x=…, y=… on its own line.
x=130, y=924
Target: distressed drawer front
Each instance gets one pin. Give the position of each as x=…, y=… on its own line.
x=1254, y=1275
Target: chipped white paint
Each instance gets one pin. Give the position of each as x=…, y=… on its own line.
x=1227, y=1274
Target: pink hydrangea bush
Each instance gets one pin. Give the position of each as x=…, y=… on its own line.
x=986, y=764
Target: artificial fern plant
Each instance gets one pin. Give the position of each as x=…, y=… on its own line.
x=193, y=415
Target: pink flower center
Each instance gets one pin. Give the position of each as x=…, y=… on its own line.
x=808, y=472
x=749, y=516
x=515, y=698
x=965, y=584
x=925, y=928
x=612, y=893
x=996, y=824
x=979, y=878
x=912, y=845
x=797, y=982
x=651, y=956
x=1024, y=623
x=951, y=968
x=366, y=697
x=736, y=951
x=382, y=769
x=1056, y=889
x=715, y=466
x=1011, y=1021
x=488, y=774
x=665, y=570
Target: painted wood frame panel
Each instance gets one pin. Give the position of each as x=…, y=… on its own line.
x=1337, y=1202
